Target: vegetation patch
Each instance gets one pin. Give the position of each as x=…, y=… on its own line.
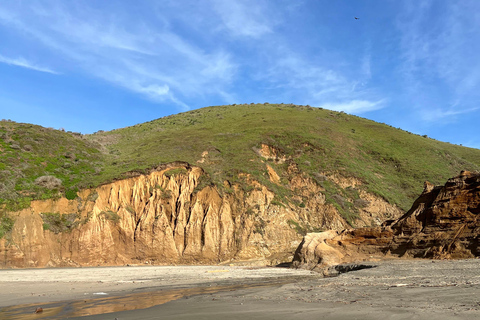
x=111, y=216
x=361, y=203
x=92, y=196
x=175, y=172
x=260, y=226
x=344, y=207
x=6, y=225
x=302, y=229
x=49, y=182
x=130, y=209
x=165, y=194
x=16, y=204
x=59, y=223
x=71, y=194
x=203, y=181
x=41, y=163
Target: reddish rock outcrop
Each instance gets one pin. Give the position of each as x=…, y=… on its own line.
x=442, y=224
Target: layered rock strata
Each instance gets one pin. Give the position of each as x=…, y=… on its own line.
x=442, y=224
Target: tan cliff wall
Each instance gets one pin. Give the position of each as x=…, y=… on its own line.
x=166, y=218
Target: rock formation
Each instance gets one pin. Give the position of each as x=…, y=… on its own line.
x=170, y=216
x=442, y=224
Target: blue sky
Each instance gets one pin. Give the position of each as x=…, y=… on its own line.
x=98, y=65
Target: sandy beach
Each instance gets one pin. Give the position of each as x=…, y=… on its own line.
x=402, y=289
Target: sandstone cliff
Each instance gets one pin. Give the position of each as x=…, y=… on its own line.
x=442, y=223
x=169, y=217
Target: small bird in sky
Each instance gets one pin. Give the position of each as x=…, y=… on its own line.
x=356, y=18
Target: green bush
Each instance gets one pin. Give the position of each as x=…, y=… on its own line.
x=49, y=182
x=175, y=172
x=130, y=209
x=92, y=196
x=71, y=194
x=16, y=204
x=6, y=225
x=260, y=226
x=165, y=195
x=302, y=229
x=110, y=215
x=361, y=203
x=58, y=223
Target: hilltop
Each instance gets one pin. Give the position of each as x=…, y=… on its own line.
x=226, y=141
x=392, y=163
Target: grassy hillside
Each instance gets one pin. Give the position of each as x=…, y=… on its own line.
x=391, y=162
x=29, y=152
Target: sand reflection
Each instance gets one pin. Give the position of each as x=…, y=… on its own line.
x=88, y=307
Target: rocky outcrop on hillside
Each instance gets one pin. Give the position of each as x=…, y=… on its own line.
x=170, y=216
x=442, y=224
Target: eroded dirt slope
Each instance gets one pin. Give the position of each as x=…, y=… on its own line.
x=166, y=217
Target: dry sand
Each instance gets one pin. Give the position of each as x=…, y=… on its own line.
x=404, y=289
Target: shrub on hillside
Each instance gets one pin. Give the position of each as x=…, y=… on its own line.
x=6, y=225
x=49, y=182
x=57, y=223
x=110, y=215
x=27, y=148
x=361, y=203
x=71, y=194
x=339, y=200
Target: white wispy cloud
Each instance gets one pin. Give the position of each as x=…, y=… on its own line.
x=293, y=72
x=145, y=57
x=21, y=62
x=319, y=82
x=366, y=66
x=153, y=90
x=439, y=57
x=182, y=59
x=87, y=27
x=244, y=18
x=355, y=106
x=450, y=114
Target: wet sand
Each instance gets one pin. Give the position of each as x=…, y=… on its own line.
x=420, y=289
x=70, y=292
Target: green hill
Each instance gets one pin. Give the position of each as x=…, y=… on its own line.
x=33, y=158
x=391, y=162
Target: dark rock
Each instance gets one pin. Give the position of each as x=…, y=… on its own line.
x=338, y=269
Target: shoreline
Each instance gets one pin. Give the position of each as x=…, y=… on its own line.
x=397, y=289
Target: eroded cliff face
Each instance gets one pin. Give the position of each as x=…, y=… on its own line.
x=442, y=223
x=167, y=217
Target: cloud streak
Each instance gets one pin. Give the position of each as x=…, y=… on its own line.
x=439, y=59
x=320, y=84
x=21, y=62
x=446, y=114
x=147, y=59
x=191, y=58
x=244, y=19
x=355, y=106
